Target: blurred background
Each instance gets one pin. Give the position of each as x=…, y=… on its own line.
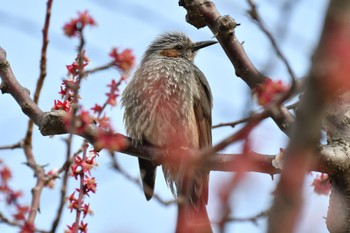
x=119, y=205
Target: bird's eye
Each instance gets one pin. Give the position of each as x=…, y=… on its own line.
x=179, y=47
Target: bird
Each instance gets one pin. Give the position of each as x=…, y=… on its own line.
x=168, y=103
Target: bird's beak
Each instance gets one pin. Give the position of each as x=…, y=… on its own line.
x=202, y=44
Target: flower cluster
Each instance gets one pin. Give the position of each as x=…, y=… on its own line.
x=71, y=85
x=82, y=166
x=322, y=184
x=81, y=170
x=76, y=25
x=78, y=65
x=78, y=119
x=65, y=105
x=82, y=228
x=124, y=60
x=268, y=90
x=113, y=92
x=106, y=137
x=75, y=70
x=27, y=228
x=11, y=198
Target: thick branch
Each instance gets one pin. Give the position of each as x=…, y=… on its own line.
x=332, y=60
x=202, y=13
x=299, y=158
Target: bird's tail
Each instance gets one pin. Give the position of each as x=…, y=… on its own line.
x=148, y=177
x=192, y=193
x=190, y=187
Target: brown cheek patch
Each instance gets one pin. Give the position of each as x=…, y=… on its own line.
x=170, y=53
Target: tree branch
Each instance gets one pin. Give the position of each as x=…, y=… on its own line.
x=40, y=182
x=255, y=16
x=254, y=219
x=42, y=75
x=331, y=66
x=19, y=144
x=246, y=119
x=202, y=13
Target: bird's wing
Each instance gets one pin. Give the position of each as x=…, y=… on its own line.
x=202, y=109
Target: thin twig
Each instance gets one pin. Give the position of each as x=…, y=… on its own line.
x=233, y=123
x=64, y=168
x=241, y=134
x=99, y=68
x=256, y=17
x=81, y=191
x=282, y=29
x=43, y=59
x=293, y=88
x=40, y=182
x=4, y=219
x=42, y=75
x=19, y=144
x=62, y=200
x=254, y=219
x=246, y=119
x=38, y=170
x=74, y=110
x=105, y=104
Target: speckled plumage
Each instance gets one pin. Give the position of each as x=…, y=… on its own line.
x=168, y=103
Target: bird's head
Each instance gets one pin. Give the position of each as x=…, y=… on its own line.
x=176, y=45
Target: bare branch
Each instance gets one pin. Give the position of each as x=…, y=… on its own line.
x=202, y=13
x=99, y=68
x=4, y=219
x=42, y=75
x=256, y=17
x=246, y=119
x=19, y=144
x=40, y=182
x=253, y=219
x=65, y=169
x=282, y=28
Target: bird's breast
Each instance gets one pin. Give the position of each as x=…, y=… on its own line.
x=165, y=104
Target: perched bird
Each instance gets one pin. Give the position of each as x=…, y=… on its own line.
x=168, y=104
